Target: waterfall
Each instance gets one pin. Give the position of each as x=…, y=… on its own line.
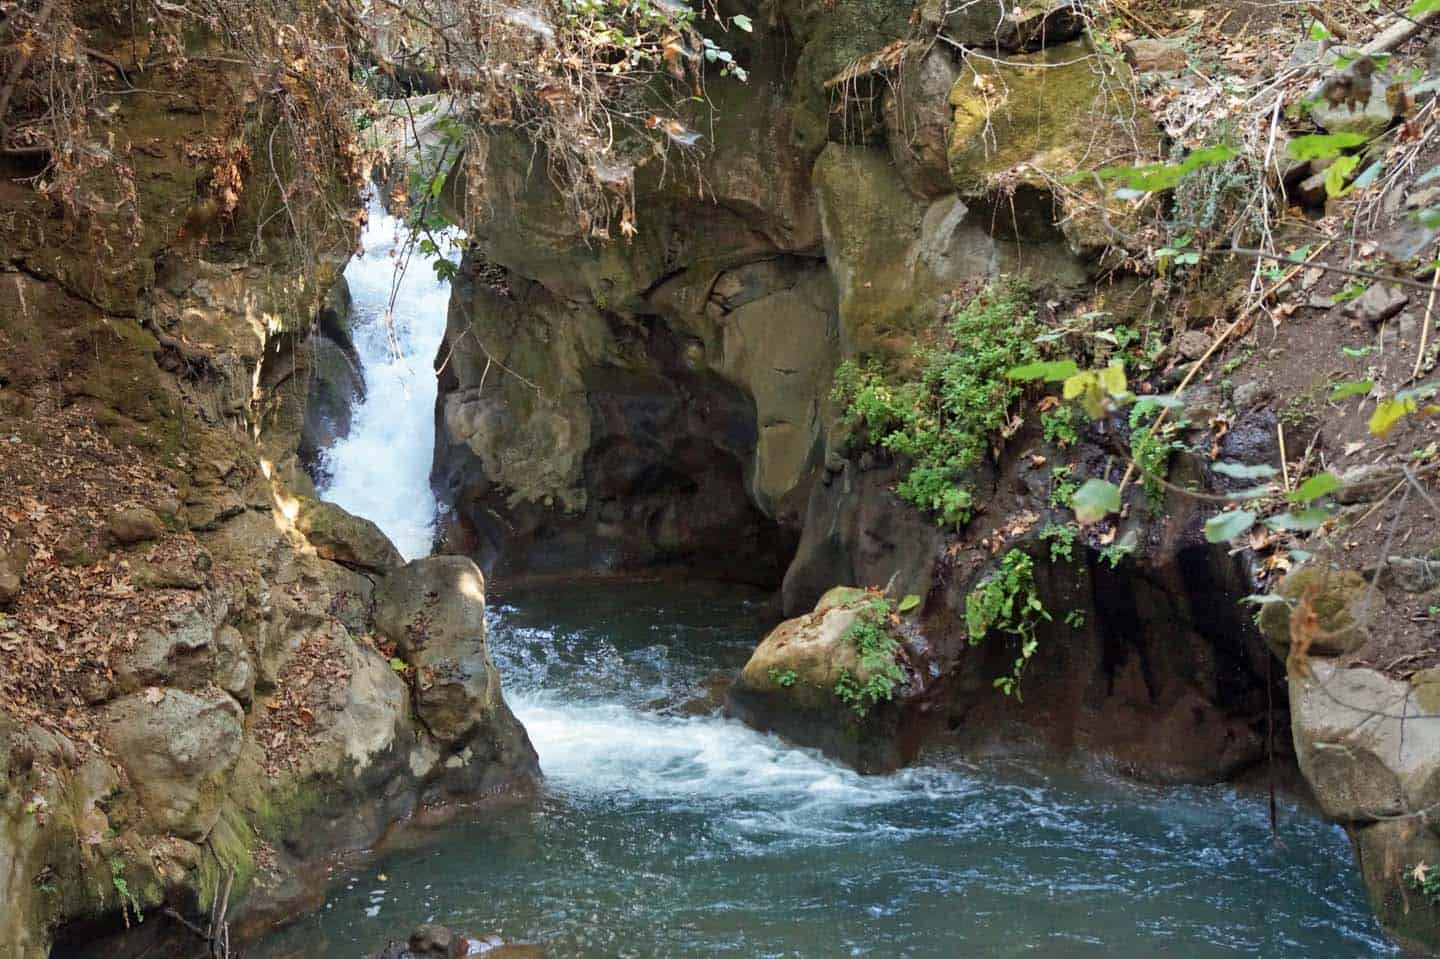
x=381, y=470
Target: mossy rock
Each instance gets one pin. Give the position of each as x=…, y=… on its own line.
x=1037, y=118
x=1336, y=596
x=345, y=538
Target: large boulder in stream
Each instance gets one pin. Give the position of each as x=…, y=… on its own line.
x=433, y=610
x=811, y=681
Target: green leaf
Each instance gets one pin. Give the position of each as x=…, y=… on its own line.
x=1356, y=353
x=743, y=22
x=1226, y=526
x=1337, y=173
x=1344, y=296
x=908, y=603
x=1095, y=500
x=1243, y=471
x=1321, y=484
x=1420, y=8
x=1150, y=177
x=1388, y=413
x=1353, y=388
x=1049, y=372
x=1319, y=146
x=1300, y=521
x=399, y=665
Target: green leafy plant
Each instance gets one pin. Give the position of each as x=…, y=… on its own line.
x=870, y=635
x=943, y=421
x=1063, y=487
x=1075, y=619
x=1007, y=602
x=1426, y=881
x=1115, y=554
x=783, y=677
x=1060, y=427
x=1061, y=540
x=128, y=902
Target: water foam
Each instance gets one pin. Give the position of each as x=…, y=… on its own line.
x=381, y=470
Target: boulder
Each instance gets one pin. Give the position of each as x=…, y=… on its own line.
x=190, y=653
x=334, y=386
x=1367, y=118
x=917, y=121
x=1016, y=131
x=1363, y=743
x=1335, y=597
x=176, y=748
x=433, y=609
x=345, y=538
x=134, y=524
x=892, y=256
x=791, y=684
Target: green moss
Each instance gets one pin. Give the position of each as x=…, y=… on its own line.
x=943, y=421
x=230, y=850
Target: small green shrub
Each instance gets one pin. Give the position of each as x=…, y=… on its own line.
x=1062, y=541
x=870, y=634
x=1115, y=554
x=943, y=421
x=1152, y=457
x=1008, y=602
x=1063, y=487
x=1060, y=426
x=783, y=677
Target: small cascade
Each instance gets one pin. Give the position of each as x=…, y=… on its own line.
x=381, y=470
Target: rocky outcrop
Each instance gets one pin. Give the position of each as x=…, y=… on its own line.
x=197, y=703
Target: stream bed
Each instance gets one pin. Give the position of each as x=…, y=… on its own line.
x=664, y=830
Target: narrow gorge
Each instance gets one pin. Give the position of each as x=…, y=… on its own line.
x=825, y=478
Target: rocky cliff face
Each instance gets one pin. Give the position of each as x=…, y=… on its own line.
x=214, y=684
x=632, y=405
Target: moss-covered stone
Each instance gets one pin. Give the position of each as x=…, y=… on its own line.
x=1334, y=595
x=1023, y=125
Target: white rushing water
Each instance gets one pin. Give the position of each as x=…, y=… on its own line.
x=381, y=470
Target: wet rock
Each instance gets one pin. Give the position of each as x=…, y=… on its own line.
x=135, y=524
x=1191, y=344
x=176, y=748
x=432, y=941
x=1151, y=55
x=790, y=686
x=345, y=538
x=1335, y=596
x=1363, y=758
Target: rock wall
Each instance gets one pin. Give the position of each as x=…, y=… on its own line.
x=215, y=684
x=629, y=405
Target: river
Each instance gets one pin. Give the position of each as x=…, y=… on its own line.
x=664, y=829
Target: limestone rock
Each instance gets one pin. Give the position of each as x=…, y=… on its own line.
x=917, y=121
x=1016, y=128
x=892, y=256
x=190, y=653
x=434, y=611
x=1151, y=55
x=135, y=524
x=170, y=574
x=1335, y=595
x=1361, y=755
x=176, y=748
x=345, y=538
x=335, y=385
